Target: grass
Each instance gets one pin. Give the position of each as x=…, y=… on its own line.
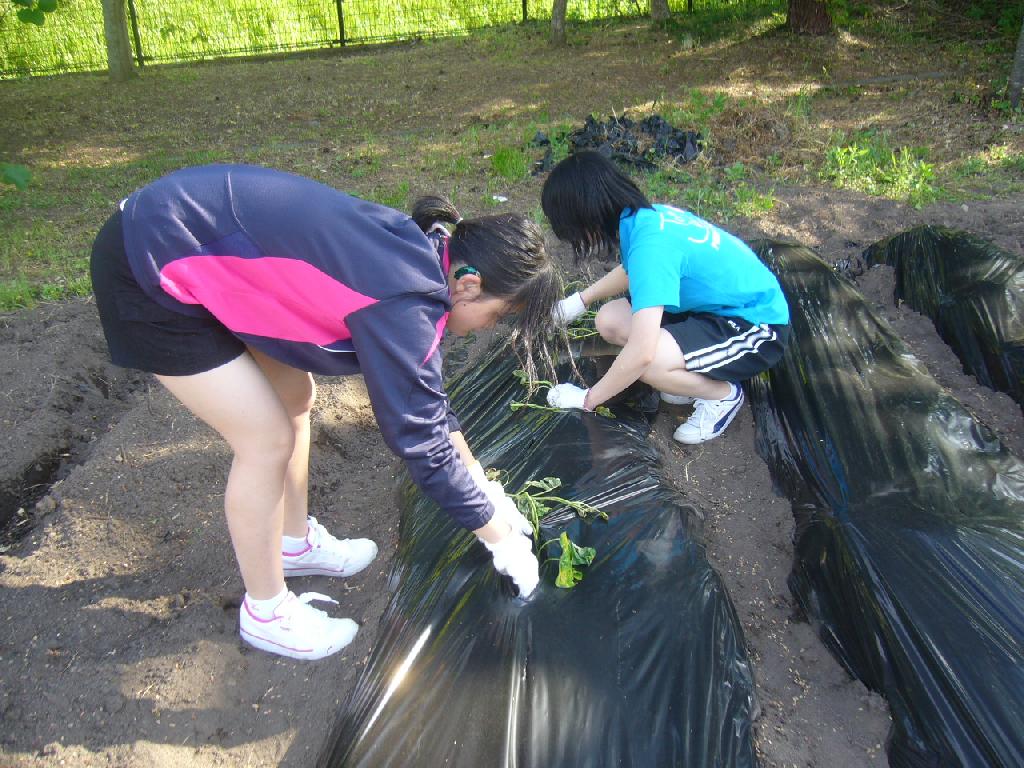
x=708, y=193
x=188, y=30
x=509, y=163
x=697, y=110
x=43, y=264
x=72, y=38
x=453, y=116
x=868, y=163
x=397, y=197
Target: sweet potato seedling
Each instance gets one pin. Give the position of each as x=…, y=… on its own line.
x=572, y=555
x=536, y=501
x=534, y=384
x=582, y=327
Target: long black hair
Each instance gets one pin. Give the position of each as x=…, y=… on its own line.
x=583, y=198
x=508, y=251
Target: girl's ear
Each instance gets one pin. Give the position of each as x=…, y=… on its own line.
x=467, y=285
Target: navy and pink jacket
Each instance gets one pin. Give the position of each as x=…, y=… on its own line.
x=321, y=281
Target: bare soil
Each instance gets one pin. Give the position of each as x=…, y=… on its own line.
x=120, y=592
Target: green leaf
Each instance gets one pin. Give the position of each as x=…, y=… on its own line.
x=528, y=383
x=531, y=510
x=545, y=485
x=572, y=555
x=18, y=175
x=32, y=16
x=47, y=6
x=23, y=3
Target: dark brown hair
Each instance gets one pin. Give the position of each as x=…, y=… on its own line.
x=584, y=198
x=507, y=249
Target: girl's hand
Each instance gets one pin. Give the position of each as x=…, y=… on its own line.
x=568, y=309
x=513, y=556
x=567, y=396
x=505, y=508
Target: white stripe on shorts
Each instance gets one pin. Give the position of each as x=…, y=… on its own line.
x=725, y=352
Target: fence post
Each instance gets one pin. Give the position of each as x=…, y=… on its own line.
x=341, y=21
x=134, y=19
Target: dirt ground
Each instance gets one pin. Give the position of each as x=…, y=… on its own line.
x=120, y=592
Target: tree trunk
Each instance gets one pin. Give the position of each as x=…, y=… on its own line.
x=1017, y=75
x=659, y=10
x=119, y=49
x=808, y=17
x=558, y=21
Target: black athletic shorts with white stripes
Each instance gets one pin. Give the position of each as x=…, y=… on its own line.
x=726, y=348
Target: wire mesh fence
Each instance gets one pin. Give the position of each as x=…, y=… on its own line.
x=72, y=38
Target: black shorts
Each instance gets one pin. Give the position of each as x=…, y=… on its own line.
x=143, y=334
x=726, y=348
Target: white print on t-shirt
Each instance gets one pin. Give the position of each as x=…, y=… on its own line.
x=683, y=219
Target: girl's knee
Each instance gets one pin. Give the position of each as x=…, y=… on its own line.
x=308, y=398
x=271, y=445
x=613, y=323
x=300, y=399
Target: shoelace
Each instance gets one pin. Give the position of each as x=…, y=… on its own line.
x=306, y=598
x=700, y=411
x=318, y=535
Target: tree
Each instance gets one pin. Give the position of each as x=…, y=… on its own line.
x=808, y=17
x=558, y=21
x=119, y=49
x=1017, y=75
x=659, y=10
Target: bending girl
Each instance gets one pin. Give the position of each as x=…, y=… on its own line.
x=232, y=284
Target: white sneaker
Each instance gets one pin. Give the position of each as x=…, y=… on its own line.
x=297, y=629
x=324, y=555
x=676, y=399
x=710, y=418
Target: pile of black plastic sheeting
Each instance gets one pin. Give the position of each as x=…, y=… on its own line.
x=972, y=291
x=910, y=524
x=639, y=143
x=641, y=664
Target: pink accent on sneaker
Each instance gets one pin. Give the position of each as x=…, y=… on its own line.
x=293, y=621
x=325, y=555
x=302, y=551
x=249, y=610
x=271, y=620
x=251, y=636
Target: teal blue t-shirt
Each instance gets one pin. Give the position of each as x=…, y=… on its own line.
x=678, y=261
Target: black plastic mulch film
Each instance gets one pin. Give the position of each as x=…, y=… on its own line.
x=909, y=556
x=641, y=664
x=972, y=291
x=631, y=142
x=910, y=523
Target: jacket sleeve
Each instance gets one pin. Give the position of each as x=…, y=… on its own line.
x=396, y=343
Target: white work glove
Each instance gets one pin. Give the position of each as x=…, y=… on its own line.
x=513, y=557
x=568, y=309
x=566, y=396
x=504, y=507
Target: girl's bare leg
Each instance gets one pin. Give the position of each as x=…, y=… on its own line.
x=667, y=372
x=240, y=403
x=297, y=391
